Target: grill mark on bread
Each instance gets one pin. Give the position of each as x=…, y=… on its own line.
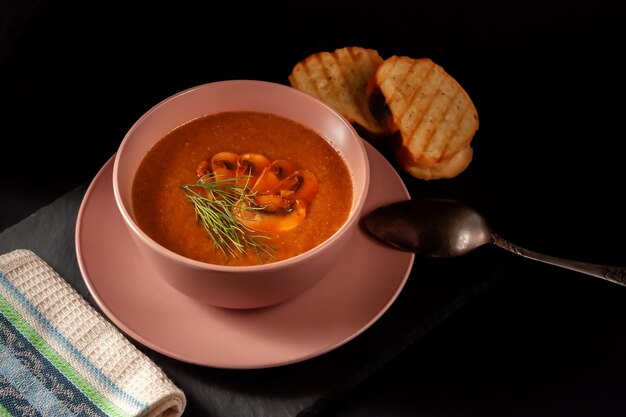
x=427, y=117
x=457, y=126
x=315, y=86
x=466, y=115
x=304, y=83
x=411, y=118
x=465, y=140
x=435, y=117
x=432, y=150
x=323, y=88
x=404, y=117
x=340, y=79
x=423, y=124
x=394, y=88
x=341, y=69
x=401, y=91
x=361, y=106
x=383, y=81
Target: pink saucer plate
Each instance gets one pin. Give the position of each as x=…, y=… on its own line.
x=342, y=305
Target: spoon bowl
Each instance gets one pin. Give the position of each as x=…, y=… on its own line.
x=436, y=227
x=444, y=228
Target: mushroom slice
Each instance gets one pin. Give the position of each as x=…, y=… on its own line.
x=300, y=185
x=224, y=165
x=275, y=204
x=250, y=166
x=203, y=168
x=273, y=174
x=273, y=214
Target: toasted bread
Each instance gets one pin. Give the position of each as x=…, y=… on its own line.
x=434, y=115
x=339, y=79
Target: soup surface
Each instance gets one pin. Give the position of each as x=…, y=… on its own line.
x=163, y=211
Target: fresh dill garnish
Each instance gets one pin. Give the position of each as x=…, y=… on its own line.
x=215, y=202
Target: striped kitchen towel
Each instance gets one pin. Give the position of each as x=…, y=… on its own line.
x=60, y=357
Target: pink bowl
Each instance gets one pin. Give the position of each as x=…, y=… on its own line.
x=240, y=286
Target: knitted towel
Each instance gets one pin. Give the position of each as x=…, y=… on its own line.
x=59, y=357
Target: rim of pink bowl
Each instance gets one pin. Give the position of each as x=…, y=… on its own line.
x=326, y=245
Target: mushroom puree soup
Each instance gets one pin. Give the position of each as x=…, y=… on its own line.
x=276, y=188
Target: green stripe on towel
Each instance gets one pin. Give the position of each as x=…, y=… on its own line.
x=60, y=354
x=4, y=412
x=96, y=397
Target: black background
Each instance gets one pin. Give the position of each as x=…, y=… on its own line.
x=547, y=79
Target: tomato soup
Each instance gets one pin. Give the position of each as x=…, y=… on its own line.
x=164, y=212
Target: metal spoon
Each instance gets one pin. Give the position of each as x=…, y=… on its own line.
x=441, y=228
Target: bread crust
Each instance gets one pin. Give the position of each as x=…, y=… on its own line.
x=434, y=115
x=339, y=78
x=410, y=106
x=448, y=168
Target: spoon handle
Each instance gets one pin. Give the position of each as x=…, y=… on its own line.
x=613, y=274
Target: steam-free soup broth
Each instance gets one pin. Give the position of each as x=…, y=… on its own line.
x=163, y=211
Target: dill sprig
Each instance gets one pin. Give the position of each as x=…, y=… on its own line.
x=214, y=208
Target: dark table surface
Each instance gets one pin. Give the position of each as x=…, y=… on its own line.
x=548, y=169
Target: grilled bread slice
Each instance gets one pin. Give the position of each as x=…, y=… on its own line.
x=435, y=117
x=340, y=79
